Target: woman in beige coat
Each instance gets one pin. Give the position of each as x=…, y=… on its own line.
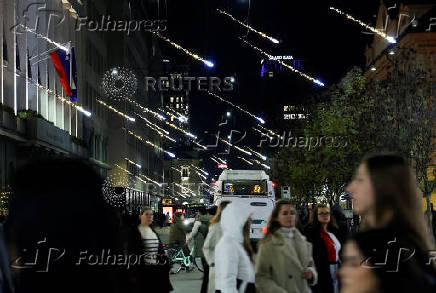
x=284, y=263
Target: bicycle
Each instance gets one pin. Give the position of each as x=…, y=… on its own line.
x=178, y=260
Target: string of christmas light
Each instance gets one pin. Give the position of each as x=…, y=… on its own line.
x=177, y=113
x=234, y=146
x=156, y=128
x=119, y=83
x=213, y=159
x=201, y=170
x=130, y=173
x=186, y=51
x=269, y=130
x=246, y=161
x=200, y=145
x=257, y=154
x=237, y=107
x=269, y=56
x=116, y=111
x=178, y=170
x=131, y=162
x=201, y=175
x=262, y=133
x=262, y=164
x=146, y=110
x=112, y=195
x=40, y=36
x=222, y=161
x=67, y=101
x=151, y=180
x=180, y=129
x=185, y=188
x=150, y=143
x=263, y=35
x=390, y=39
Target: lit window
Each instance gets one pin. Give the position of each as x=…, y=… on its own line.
x=172, y=99
x=177, y=106
x=172, y=118
x=181, y=99
x=285, y=108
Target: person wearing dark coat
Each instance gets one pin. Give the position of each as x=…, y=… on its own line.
x=155, y=266
x=324, y=237
x=6, y=285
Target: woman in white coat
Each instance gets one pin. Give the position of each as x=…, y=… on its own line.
x=284, y=263
x=234, y=269
x=212, y=238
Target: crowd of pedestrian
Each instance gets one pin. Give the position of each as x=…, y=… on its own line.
x=62, y=236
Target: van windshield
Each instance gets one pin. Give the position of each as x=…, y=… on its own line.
x=245, y=187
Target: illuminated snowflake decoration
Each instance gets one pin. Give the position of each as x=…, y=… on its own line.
x=119, y=83
x=114, y=190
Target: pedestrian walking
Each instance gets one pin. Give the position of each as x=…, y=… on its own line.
x=391, y=251
x=284, y=262
x=198, y=235
x=234, y=269
x=178, y=232
x=323, y=232
x=212, y=239
x=148, y=244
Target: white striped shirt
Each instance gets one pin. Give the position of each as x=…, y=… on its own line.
x=151, y=243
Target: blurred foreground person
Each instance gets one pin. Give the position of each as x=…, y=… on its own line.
x=390, y=254
x=60, y=231
x=322, y=232
x=234, y=270
x=212, y=239
x=145, y=241
x=178, y=232
x=284, y=263
x=6, y=285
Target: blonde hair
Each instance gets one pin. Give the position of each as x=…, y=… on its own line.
x=221, y=207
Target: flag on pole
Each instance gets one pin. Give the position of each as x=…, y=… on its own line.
x=65, y=65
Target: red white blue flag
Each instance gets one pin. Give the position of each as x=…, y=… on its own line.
x=65, y=65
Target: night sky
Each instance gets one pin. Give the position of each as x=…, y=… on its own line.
x=328, y=44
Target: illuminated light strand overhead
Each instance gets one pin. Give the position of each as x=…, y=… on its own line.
x=200, y=145
x=263, y=35
x=180, y=129
x=201, y=170
x=222, y=161
x=156, y=128
x=151, y=180
x=246, y=161
x=40, y=36
x=131, y=162
x=390, y=39
x=180, y=118
x=262, y=164
x=269, y=130
x=201, y=175
x=263, y=133
x=146, y=110
x=67, y=101
x=176, y=113
x=186, y=51
x=215, y=160
x=116, y=111
x=185, y=188
x=257, y=154
x=235, y=147
x=151, y=144
x=130, y=173
x=182, y=195
x=293, y=69
x=178, y=170
x=237, y=107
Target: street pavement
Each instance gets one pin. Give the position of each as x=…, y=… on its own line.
x=183, y=282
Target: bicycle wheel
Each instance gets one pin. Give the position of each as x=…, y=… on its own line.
x=175, y=268
x=197, y=262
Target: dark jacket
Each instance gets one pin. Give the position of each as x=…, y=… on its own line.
x=150, y=274
x=6, y=285
x=325, y=282
x=405, y=268
x=178, y=232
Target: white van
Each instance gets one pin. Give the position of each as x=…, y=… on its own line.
x=250, y=187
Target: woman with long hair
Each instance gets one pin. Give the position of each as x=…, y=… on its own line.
x=322, y=232
x=148, y=244
x=284, y=262
x=390, y=253
x=212, y=239
x=234, y=257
